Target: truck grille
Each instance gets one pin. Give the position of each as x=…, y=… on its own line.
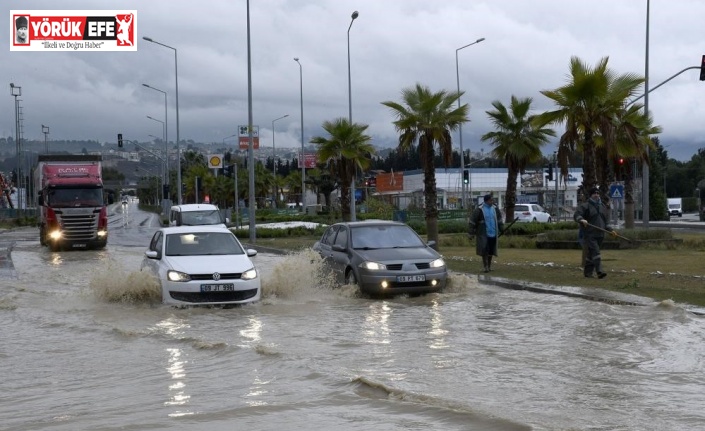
x=79, y=227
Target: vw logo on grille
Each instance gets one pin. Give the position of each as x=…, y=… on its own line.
x=216, y=276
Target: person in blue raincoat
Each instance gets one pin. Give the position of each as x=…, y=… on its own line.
x=486, y=224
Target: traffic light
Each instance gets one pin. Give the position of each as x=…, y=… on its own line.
x=702, y=69
x=228, y=171
x=165, y=191
x=466, y=176
x=549, y=172
x=120, y=140
x=619, y=174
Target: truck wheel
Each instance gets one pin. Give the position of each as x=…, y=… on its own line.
x=42, y=236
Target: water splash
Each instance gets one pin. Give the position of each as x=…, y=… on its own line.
x=297, y=274
x=113, y=284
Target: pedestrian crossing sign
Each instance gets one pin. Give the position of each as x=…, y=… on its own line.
x=617, y=191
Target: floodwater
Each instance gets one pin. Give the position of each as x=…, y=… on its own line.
x=86, y=345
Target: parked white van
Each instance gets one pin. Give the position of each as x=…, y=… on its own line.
x=195, y=215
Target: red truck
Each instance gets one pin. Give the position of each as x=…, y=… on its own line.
x=72, y=210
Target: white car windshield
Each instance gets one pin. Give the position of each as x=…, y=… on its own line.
x=374, y=237
x=196, y=218
x=202, y=244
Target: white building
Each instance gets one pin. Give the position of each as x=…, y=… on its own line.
x=532, y=187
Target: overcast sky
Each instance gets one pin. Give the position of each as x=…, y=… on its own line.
x=393, y=44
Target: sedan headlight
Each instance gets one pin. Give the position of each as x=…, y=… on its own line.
x=438, y=263
x=250, y=274
x=374, y=266
x=177, y=276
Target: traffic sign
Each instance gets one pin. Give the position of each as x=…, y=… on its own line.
x=617, y=191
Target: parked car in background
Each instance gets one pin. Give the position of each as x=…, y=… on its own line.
x=531, y=213
x=382, y=258
x=202, y=265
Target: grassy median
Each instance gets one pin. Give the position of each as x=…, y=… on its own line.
x=661, y=270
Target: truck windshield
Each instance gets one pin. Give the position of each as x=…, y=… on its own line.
x=75, y=197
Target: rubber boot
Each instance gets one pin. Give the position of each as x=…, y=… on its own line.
x=489, y=263
x=485, y=263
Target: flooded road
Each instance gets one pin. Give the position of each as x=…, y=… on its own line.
x=87, y=345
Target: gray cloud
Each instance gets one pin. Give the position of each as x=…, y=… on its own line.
x=393, y=44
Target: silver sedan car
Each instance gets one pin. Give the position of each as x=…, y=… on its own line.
x=382, y=258
x=202, y=265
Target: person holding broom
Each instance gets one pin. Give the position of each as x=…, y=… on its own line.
x=486, y=224
x=593, y=218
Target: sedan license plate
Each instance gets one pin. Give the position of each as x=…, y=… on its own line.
x=217, y=287
x=408, y=278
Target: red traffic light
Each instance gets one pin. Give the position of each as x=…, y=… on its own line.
x=621, y=161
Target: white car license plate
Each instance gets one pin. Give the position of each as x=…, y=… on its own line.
x=217, y=287
x=79, y=245
x=407, y=278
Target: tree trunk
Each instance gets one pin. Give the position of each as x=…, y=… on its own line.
x=629, y=199
x=430, y=197
x=510, y=197
x=589, y=171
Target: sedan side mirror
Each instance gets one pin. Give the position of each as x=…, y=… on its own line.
x=152, y=254
x=338, y=247
x=251, y=252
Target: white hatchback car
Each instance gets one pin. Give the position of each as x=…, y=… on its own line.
x=531, y=213
x=202, y=265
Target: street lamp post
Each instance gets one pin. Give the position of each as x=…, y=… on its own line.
x=178, y=150
x=45, y=130
x=645, y=165
x=274, y=160
x=303, y=157
x=460, y=126
x=16, y=92
x=165, y=132
x=353, y=216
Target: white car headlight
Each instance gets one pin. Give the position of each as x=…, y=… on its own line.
x=374, y=266
x=250, y=274
x=177, y=276
x=438, y=263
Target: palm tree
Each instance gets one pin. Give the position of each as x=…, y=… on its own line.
x=587, y=105
x=632, y=139
x=346, y=150
x=428, y=118
x=517, y=141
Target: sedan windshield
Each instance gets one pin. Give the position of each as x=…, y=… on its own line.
x=195, y=218
x=373, y=237
x=202, y=244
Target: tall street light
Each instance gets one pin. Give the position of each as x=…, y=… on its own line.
x=303, y=156
x=16, y=92
x=460, y=126
x=645, y=166
x=45, y=130
x=178, y=150
x=165, y=132
x=274, y=159
x=250, y=147
x=353, y=216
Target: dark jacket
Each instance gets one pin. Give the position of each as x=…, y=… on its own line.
x=477, y=227
x=596, y=214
